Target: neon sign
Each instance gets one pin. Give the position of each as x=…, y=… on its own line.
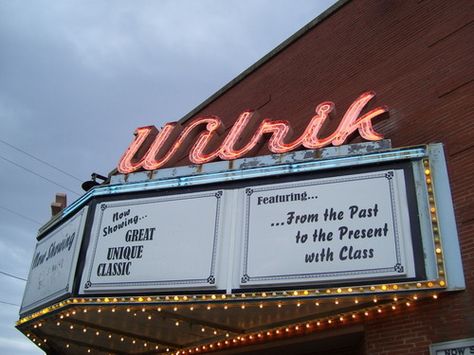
x=153, y=149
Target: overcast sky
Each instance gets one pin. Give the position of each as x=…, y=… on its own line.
x=76, y=79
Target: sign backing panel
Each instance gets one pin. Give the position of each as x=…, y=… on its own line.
x=54, y=263
x=352, y=227
x=154, y=243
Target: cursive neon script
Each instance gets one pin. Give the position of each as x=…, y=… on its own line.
x=153, y=149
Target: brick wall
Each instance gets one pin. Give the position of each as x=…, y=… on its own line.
x=418, y=57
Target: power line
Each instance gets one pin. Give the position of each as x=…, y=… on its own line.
x=41, y=176
x=20, y=215
x=41, y=160
x=10, y=304
x=13, y=276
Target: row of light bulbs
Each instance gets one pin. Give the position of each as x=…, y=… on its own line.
x=283, y=295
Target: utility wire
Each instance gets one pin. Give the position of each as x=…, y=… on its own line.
x=21, y=215
x=11, y=275
x=41, y=176
x=10, y=304
x=40, y=160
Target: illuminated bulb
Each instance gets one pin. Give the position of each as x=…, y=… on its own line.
x=287, y=330
x=58, y=324
x=329, y=321
x=149, y=317
x=203, y=330
x=99, y=310
x=226, y=307
x=243, y=306
x=269, y=333
x=97, y=333
x=67, y=345
x=145, y=345
x=336, y=302
x=71, y=327
x=122, y=339
x=341, y=319
x=128, y=310
x=366, y=314
x=227, y=335
x=317, y=304
x=259, y=335
x=298, y=304
x=356, y=301
x=61, y=316
x=394, y=307
x=379, y=310
x=74, y=312
x=84, y=330
x=427, y=172
x=408, y=304
x=175, y=309
x=264, y=294
x=208, y=308
x=384, y=287
x=354, y=316
x=215, y=332
x=395, y=299
x=113, y=309
x=85, y=310
x=435, y=297
x=143, y=309
x=191, y=308
x=438, y=250
x=134, y=341
x=177, y=324
x=442, y=283
x=213, y=297
x=88, y=350
x=415, y=297
x=279, y=305
x=318, y=323
x=278, y=331
x=110, y=336
x=308, y=325
x=260, y=305
x=375, y=300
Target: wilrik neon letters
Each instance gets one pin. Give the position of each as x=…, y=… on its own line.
x=153, y=149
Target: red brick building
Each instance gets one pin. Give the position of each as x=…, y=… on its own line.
x=418, y=57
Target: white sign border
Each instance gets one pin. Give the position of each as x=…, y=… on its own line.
x=88, y=286
x=246, y=279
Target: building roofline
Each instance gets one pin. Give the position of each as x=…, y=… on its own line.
x=286, y=43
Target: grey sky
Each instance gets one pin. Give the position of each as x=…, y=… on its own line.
x=76, y=79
